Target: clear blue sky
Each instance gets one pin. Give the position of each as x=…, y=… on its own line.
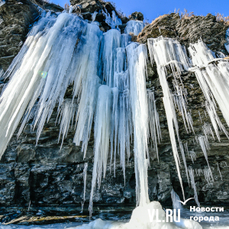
x=154, y=8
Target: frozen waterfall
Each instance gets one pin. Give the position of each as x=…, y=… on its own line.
x=107, y=73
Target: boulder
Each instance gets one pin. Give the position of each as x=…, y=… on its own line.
x=136, y=16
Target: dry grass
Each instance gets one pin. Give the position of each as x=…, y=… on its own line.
x=186, y=14
x=220, y=17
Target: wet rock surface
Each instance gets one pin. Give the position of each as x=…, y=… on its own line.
x=45, y=175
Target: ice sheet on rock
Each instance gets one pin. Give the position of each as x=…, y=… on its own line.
x=134, y=27
x=191, y=153
x=154, y=122
x=120, y=60
x=121, y=127
x=169, y=52
x=208, y=175
x=200, y=54
x=204, y=144
x=125, y=40
x=55, y=77
x=193, y=184
x=212, y=75
x=176, y=200
x=67, y=112
x=113, y=21
x=111, y=41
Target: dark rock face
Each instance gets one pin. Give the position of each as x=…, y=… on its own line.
x=15, y=19
x=87, y=7
x=46, y=175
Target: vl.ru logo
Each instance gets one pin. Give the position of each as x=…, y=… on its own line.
x=170, y=216
x=186, y=201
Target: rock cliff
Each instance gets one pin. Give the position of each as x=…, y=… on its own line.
x=46, y=175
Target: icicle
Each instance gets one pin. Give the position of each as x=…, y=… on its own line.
x=36, y=60
x=208, y=175
x=84, y=185
x=200, y=117
x=113, y=21
x=125, y=40
x=191, y=153
x=207, y=130
x=1, y=72
x=204, y=144
x=176, y=200
x=111, y=41
x=154, y=122
x=191, y=174
x=219, y=171
x=120, y=61
x=213, y=80
x=114, y=128
x=102, y=133
x=67, y=114
x=86, y=83
x=137, y=56
x=134, y=27
x=167, y=52
x=93, y=16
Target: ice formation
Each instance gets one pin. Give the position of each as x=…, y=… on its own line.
x=113, y=21
x=154, y=122
x=169, y=53
x=212, y=75
x=176, y=200
x=193, y=184
x=108, y=75
x=134, y=27
x=84, y=184
x=137, y=57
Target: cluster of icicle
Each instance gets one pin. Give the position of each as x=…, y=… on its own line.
x=108, y=75
x=212, y=74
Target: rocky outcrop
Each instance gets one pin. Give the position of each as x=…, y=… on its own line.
x=16, y=18
x=188, y=30
x=87, y=7
x=136, y=16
